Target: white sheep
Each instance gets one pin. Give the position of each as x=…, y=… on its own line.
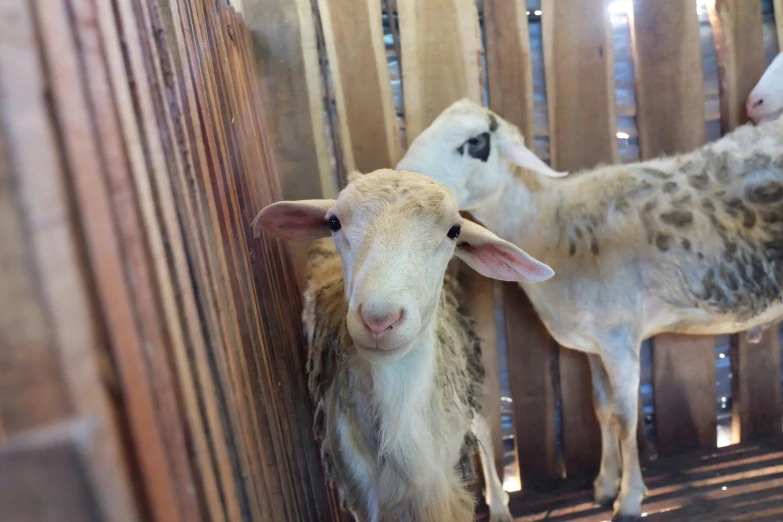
x=689, y=244
x=765, y=102
x=394, y=364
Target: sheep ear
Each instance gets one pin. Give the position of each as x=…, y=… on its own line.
x=295, y=220
x=495, y=258
x=520, y=155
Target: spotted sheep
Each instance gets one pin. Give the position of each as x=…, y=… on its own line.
x=686, y=244
x=394, y=364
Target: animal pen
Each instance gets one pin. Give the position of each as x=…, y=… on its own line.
x=152, y=356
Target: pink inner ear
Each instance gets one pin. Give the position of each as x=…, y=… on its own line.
x=502, y=262
x=294, y=223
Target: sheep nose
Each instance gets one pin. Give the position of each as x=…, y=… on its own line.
x=379, y=323
x=755, y=103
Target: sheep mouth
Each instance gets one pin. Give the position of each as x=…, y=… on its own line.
x=771, y=116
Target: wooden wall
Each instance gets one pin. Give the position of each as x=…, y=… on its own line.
x=152, y=360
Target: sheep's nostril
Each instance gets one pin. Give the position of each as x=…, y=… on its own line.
x=379, y=324
x=755, y=104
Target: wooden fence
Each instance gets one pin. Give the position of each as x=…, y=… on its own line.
x=151, y=355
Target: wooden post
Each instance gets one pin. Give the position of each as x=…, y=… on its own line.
x=440, y=45
x=531, y=351
x=579, y=67
x=671, y=119
x=509, y=64
x=684, y=385
x=739, y=40
x=779, y=22
x=369, y=132
x=532, y=355
x=755, y=386
x=440, y=48
x=755, y=369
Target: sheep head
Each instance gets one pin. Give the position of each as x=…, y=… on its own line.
x=396, y=233
x=465, y=147
x=765, y=102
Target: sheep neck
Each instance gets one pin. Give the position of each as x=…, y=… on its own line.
x=534, y=201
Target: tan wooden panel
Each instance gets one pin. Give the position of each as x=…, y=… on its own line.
x=669, y=87
x=45, y=475
x=440, y=45
x=737, y=26
x=670, y=119
x=54, y=254
x=290, y=79
x=579, y=69
x=369, y=133
x=755, y=386
x=532, y=356
x=779, y=22
x=480, y=301
x=509, y=64
x=684, y=420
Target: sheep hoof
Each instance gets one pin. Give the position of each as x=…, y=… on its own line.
x=500, y=517
x=626, y=518
x=604, y=501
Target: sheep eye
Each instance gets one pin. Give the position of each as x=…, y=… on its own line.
x=334, y=223
x=477, y=147
x=453, y=232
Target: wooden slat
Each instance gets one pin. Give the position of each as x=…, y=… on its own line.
x=509, y=64
x=684, y=384
x=440, y=45
x=531, y=351
x=54, y=252
x=45, y=476
x=671, y=115
x=579, y=70
x=755, y=386
x=480, y=302
x=532, y=356
x=669, y=90
x=737, y=26
x=369, y=133
x=290, y=80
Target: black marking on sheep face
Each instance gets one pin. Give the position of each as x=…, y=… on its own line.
x=686, y=244
x=771, y=192
x=663, y=242
x=699, y=181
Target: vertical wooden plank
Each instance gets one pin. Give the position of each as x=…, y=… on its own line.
x=669, y=89
x=479, y=295
x=509, y=64
x=440, y=45
x=737, y=26
x=670, y=119
x=579, y=70
x=369, y=132
x=54, y=255
x=684, y=387
x=532, y=356
x=755, y=386
x=290, y=79
x=779, y=22
x=531, y=351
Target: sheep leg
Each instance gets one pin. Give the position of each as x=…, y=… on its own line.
x=495, y=496
x=607, y=485
x=620, y=357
